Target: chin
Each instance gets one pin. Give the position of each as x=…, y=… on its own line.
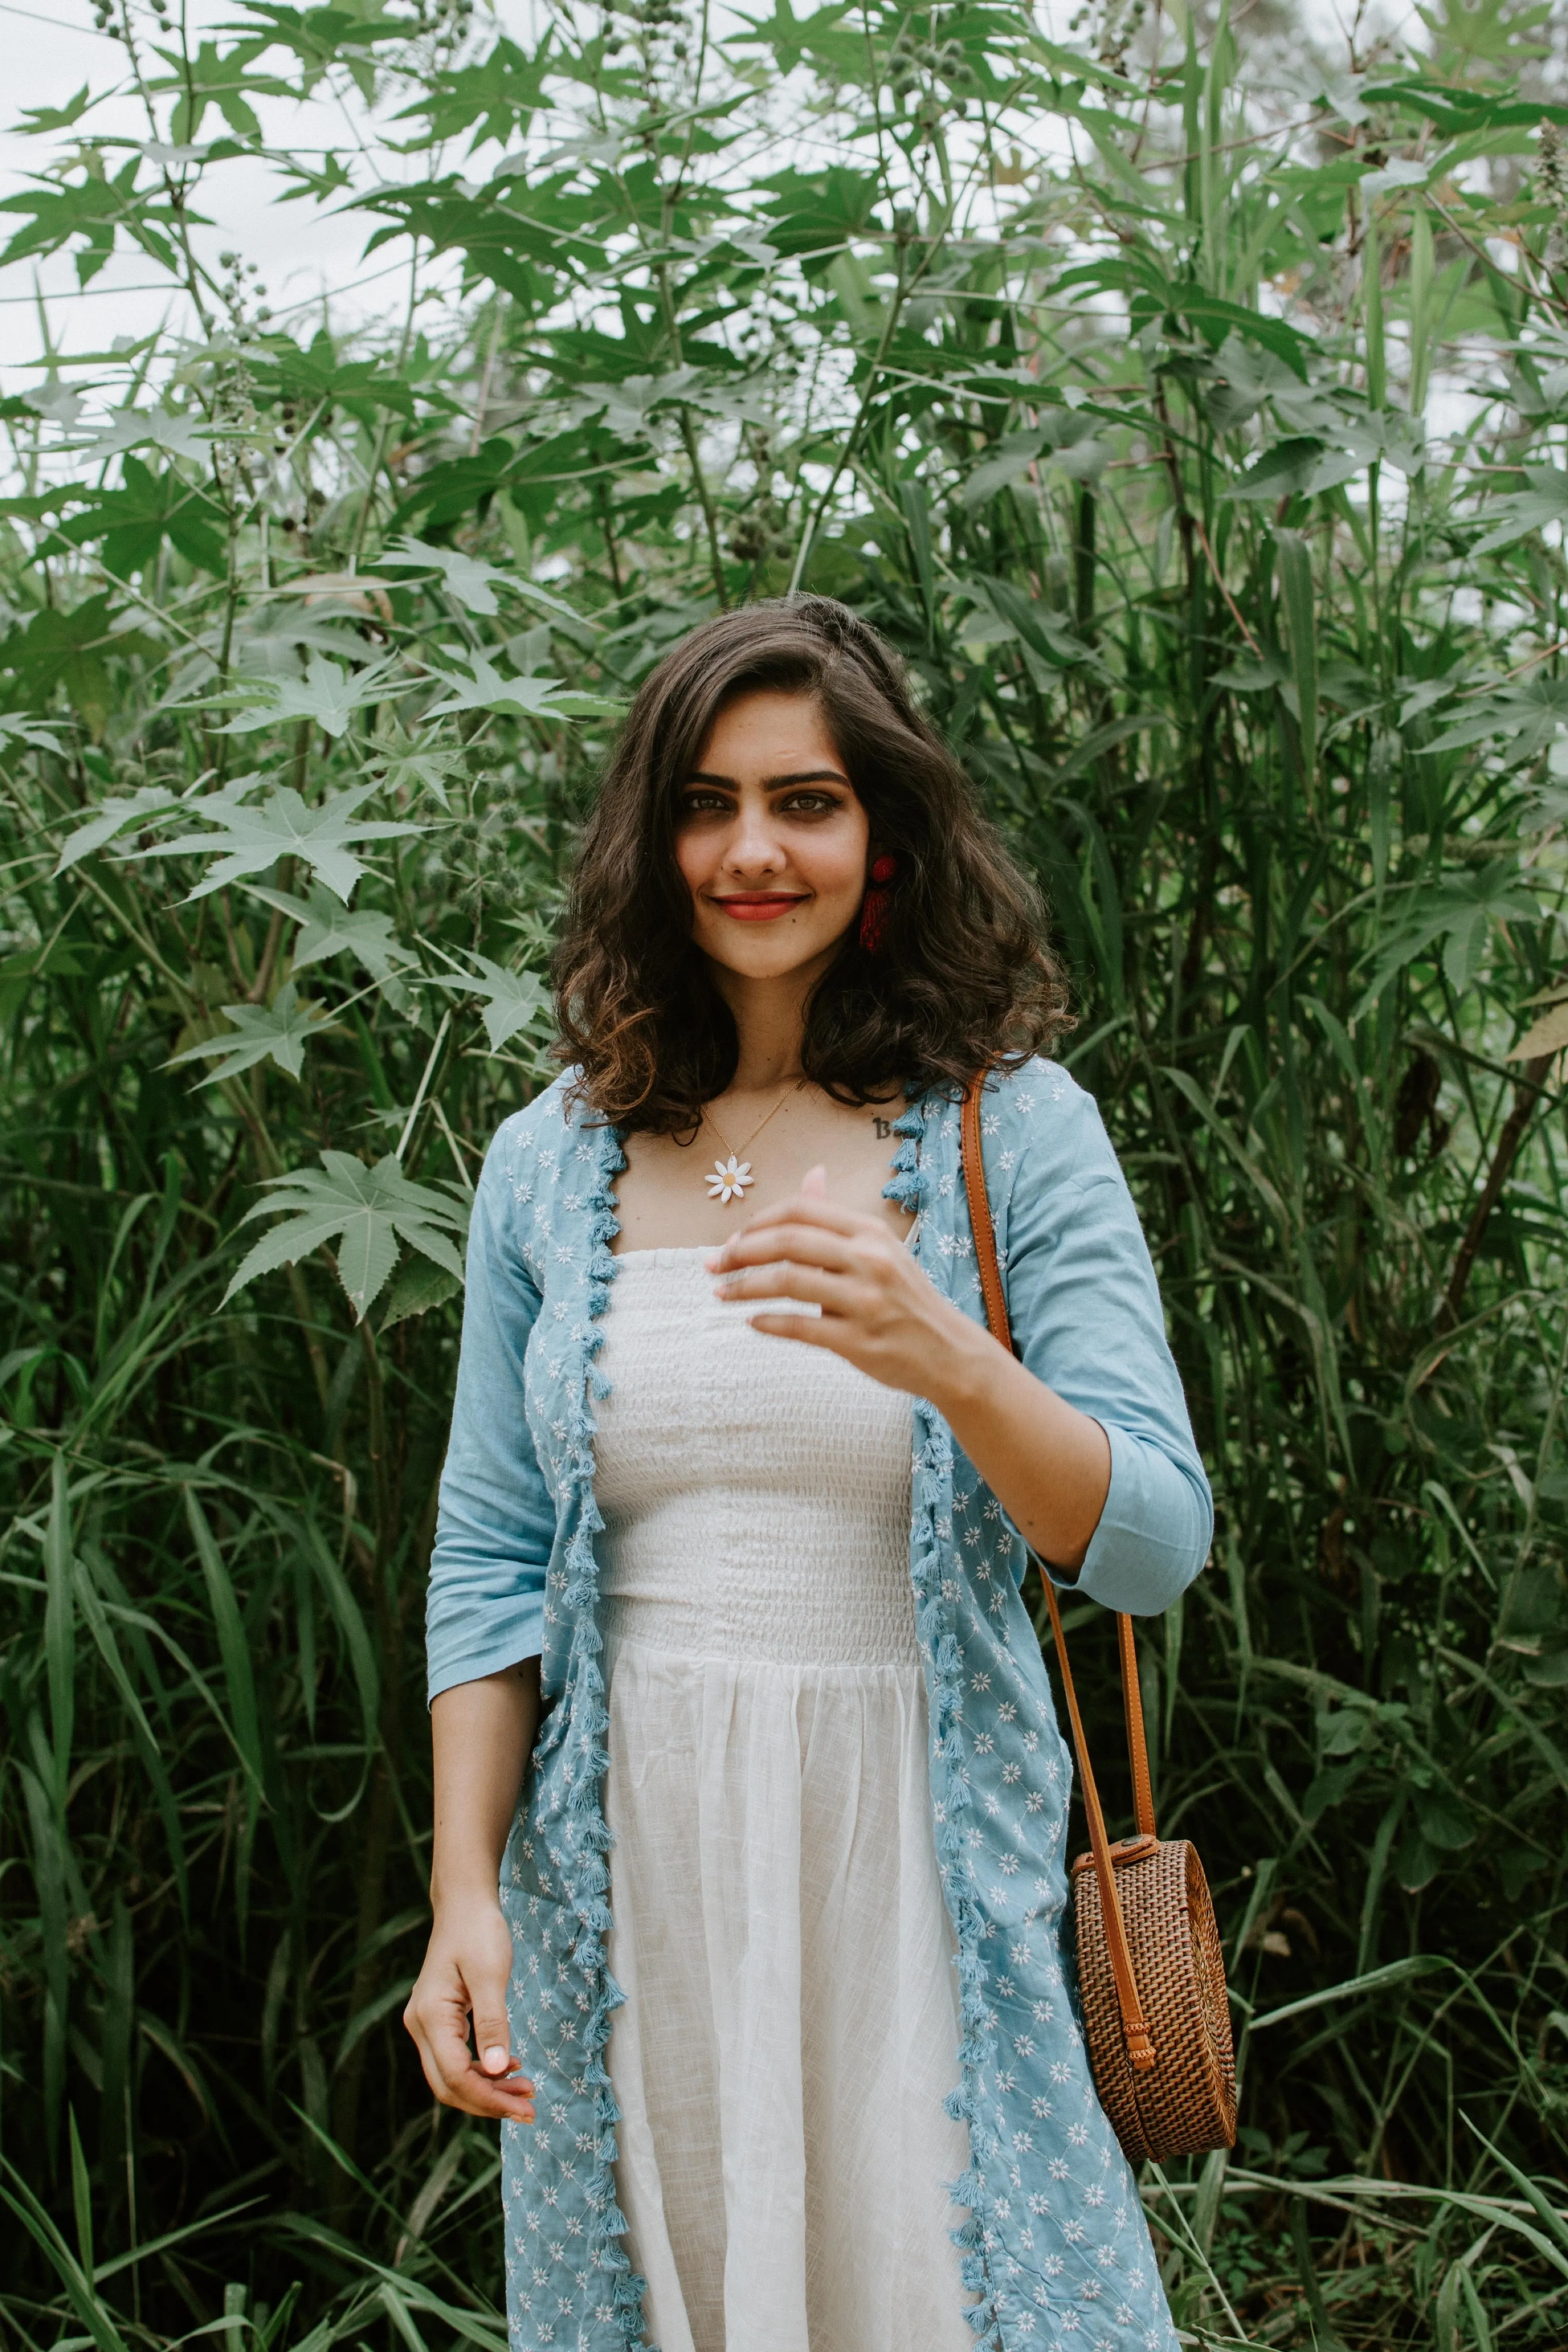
x=765, y=959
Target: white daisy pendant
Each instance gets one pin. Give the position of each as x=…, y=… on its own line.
x=729, y=1179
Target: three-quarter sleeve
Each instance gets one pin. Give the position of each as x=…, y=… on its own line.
x=497, y=1520
x=1087, y=1320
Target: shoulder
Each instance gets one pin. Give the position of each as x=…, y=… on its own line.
x=544, y=1196
x=1041, y=1125
x=546, y=1124
x=539, y=1164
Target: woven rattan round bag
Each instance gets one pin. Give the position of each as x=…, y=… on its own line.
x=1150, y=1970
x=1185, y=2099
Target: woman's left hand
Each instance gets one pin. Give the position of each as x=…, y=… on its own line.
x=1048, y=1463
x=880, y=1311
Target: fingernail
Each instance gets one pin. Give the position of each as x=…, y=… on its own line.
x=495, y=2059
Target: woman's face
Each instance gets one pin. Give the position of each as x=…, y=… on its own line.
x=771, y=838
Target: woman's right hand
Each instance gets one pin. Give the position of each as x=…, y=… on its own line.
x=464, y=1975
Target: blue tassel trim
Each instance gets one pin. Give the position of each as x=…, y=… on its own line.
x=584, y=1836
x=936, y=1625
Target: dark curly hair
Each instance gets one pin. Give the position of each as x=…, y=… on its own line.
x=964, y=974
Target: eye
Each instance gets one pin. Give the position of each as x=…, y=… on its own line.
x=703, y=801
x=810, y=804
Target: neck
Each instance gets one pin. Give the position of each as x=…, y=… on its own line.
x=770, y=1022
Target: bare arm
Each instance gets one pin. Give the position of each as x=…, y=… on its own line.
x=1048, y=1463
x=482, y=1733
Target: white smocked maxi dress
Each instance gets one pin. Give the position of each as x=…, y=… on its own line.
x=791, y=2026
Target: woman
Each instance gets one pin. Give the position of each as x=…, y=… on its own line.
x=779, y=1919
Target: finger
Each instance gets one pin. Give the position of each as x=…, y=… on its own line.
x=806, y=1244
x=836, y=1293
x=459, y=2082
x=487, y=2103
x=809, y=1209
x=492, y=2033
x=439, y=2024
x=475, y=2095
x=452, y=2074
x=829, y=1331
x=815, y=1186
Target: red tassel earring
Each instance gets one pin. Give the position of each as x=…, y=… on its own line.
x=874, y=905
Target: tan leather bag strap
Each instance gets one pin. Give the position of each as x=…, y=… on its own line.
x=1140, y=2049
x=1137, y=1745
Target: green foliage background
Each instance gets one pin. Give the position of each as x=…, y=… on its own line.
x=1203, y=452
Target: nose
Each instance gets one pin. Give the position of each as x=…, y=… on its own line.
x=754, y=847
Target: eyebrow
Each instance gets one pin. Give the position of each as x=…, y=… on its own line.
x=774, y=783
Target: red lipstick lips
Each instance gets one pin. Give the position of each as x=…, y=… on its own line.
x=757, y=906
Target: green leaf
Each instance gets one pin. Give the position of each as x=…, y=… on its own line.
x=1544, y=503
x=1253, y=676
x=792, y=39
x=511, y=999
x=96, y=1620
x=1416, y=1964
x=324, y=36
x=812, y=215
x=93, y=208
x=59, y=1627
x=418, y=1287
x=1459, y=910
x=91, y=2312
x=1529, y=715
x=70, y=648
x=252, y=840
x=1416, y=1863
x=328, y=929
x=1034, y=624
x=38, y=735
x=1470, y=32
x=350, y=1618
x=516, y=697
x=276, y=1031
x=473, y=584
x=1302, y=628
x=328, y=694
x=317, y=378
x=401, y=769
x=628, y=403
x=1445, y=1824
x=1283, y=470
x=1010, y=462
x=35, y=509
x=1330, y=1787
x=114, y=815
x=242, y=1722
x=176, y=434
x=211, y=76
x=368, y=1211
x=39, y=118
x=498, y=95
x=134, y=521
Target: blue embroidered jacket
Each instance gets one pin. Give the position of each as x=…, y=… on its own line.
x=1056, y=2248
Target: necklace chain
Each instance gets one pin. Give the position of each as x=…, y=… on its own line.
x=756, y=1130
x=732, y=1181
